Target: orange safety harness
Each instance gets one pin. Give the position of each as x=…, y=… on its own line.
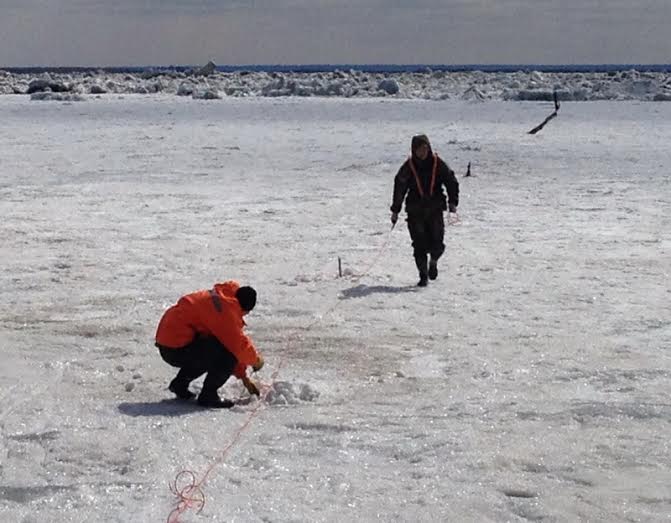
x=420, y=190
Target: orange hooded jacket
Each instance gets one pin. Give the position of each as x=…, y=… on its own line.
x=215, y=312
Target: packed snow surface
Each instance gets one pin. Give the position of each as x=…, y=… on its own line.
x=531, y=381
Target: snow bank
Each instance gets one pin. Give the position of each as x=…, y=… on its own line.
x=60, y=97
x=431, y=85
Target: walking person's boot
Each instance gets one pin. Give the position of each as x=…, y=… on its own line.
x=433, y=268
x=420, y=261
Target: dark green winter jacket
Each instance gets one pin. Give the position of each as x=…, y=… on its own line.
x=421, y=200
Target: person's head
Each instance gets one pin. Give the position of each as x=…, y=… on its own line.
x=246, y=297
x=420, y=147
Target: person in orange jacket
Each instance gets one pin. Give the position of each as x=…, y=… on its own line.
x=203, y=333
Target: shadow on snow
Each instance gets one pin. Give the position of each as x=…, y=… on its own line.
x=361, y=291
x=165, y=407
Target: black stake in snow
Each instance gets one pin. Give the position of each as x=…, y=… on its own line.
x=468, y=170
x=553, y=115
x=339, y=267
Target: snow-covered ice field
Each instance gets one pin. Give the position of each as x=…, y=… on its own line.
x=531, y=381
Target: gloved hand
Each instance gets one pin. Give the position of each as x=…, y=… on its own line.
x=394, y=218
x=251, y=387
x=453, y=208
x=259, y=364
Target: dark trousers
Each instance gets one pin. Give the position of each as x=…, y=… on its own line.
x=427, y=232
x=200, y=356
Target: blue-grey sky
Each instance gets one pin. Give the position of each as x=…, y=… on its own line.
x=165, y=32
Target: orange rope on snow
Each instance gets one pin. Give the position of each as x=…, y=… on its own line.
x=190, y=494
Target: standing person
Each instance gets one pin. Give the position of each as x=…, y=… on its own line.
x=203, y=333
x=422, y=178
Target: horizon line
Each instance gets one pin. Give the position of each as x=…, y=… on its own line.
x=370, y=67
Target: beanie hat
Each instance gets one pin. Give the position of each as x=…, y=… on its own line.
x=246, y=298
x=419, y=140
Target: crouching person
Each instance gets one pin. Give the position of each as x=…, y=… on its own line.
x=203, y=334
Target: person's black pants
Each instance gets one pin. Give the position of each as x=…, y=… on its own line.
x=203, y=355
x=427, y=232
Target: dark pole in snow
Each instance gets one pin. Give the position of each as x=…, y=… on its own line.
x=553, y=115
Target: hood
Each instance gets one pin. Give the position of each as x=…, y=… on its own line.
x=418, y=140
x=414, y=145
x=227, y=289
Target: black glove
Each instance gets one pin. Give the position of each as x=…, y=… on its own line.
x=394, y=218
x=453, y=208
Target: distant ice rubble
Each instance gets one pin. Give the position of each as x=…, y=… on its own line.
x=474, y=86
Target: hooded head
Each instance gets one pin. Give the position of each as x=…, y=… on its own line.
x=246, y=297
x=417, y=142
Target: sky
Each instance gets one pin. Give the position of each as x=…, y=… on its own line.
x=234, y=32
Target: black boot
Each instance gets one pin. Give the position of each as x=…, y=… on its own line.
x=433, y=269
x=209, y=397
x=420, y=261
x=215, y=378
x=213, y=401
x=181, y=389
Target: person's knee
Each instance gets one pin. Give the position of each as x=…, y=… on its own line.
x=438, y=250
x=421, y=244
x=223, y=359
